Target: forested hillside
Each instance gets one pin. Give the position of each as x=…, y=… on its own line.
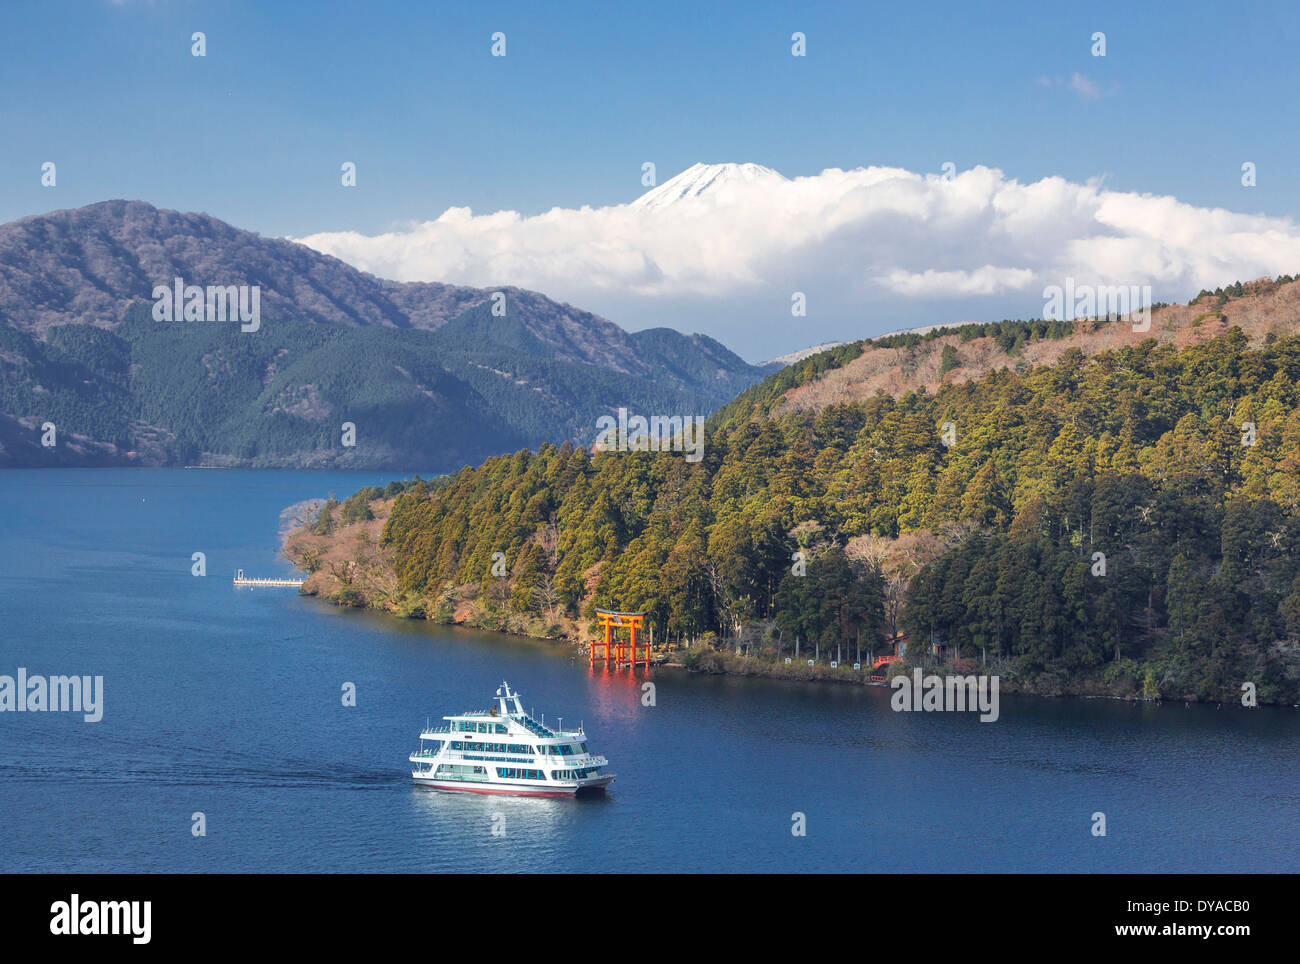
x=1127, y=523
x=432, y=376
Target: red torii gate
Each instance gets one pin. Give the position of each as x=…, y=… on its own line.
x=622, y=652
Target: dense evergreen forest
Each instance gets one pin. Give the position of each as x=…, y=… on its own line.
x=181, y=395
x=1128, y=524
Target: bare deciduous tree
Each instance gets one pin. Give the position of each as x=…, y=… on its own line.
x=547, y=597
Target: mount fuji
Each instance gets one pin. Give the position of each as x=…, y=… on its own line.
x=699, y=180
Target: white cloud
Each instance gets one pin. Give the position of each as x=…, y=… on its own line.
x=1081, y=84
x=1085, y=88
x=987, y=280
x=871, y=248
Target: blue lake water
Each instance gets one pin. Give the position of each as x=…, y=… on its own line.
x=227, y=702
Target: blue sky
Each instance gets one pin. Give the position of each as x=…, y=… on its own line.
x=254, y=132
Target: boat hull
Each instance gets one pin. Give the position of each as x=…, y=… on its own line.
x=507, y=789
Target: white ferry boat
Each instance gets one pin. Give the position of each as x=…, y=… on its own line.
x=504, y=750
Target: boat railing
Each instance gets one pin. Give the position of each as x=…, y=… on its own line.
x=481, y=756
x=537, y=729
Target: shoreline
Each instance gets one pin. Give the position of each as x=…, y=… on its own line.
x=729, y=664
x=350, y=566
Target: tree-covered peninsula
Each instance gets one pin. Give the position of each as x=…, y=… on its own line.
x=1074, y=507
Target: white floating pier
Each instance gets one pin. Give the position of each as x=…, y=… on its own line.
x=243, y=580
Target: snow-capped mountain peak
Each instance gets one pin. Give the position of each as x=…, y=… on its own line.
x=780, y=361
x=700, y=179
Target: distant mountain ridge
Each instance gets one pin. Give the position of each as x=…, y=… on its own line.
x=75, y=286
x=780, y=361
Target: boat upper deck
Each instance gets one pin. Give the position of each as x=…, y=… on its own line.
x=498, y=720
x=471, y=725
